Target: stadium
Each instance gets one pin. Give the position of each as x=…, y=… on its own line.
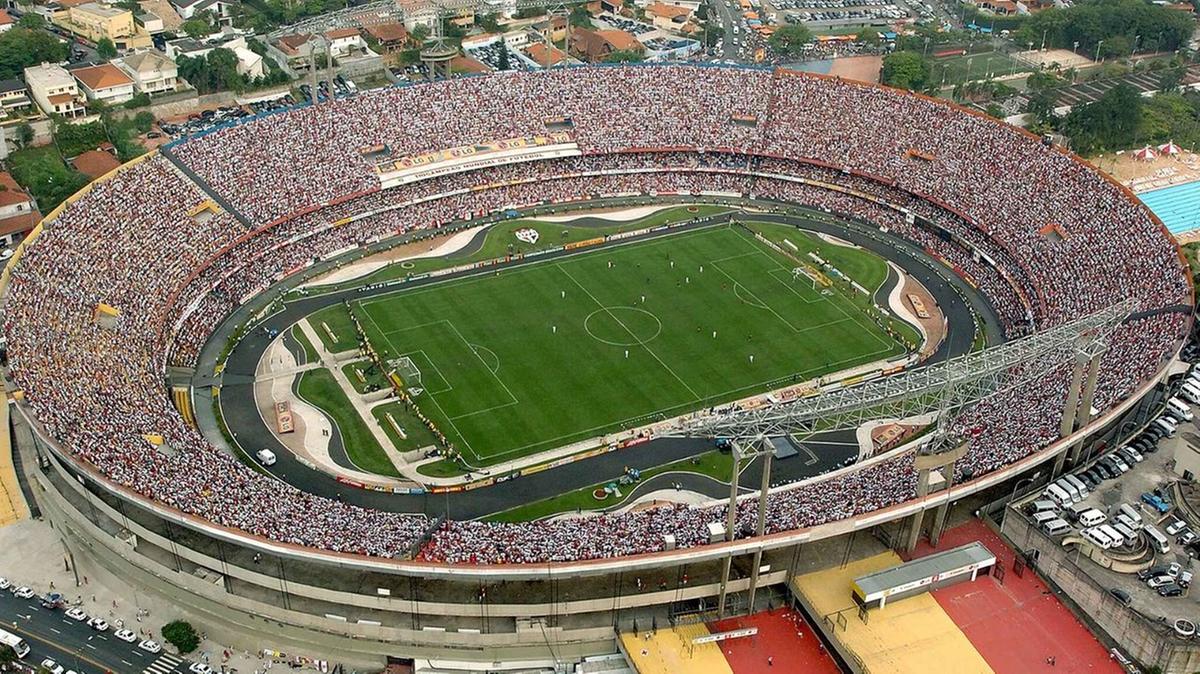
x=720, y=304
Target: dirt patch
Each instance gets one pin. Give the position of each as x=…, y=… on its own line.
x=862, y=68
x=378, y=260
x=935, y=325
x=1142, y=176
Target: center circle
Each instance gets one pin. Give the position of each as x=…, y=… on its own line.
x=622, y=326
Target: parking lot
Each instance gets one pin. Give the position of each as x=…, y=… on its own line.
x=1150, y=570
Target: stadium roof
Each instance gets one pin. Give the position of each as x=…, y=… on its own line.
x=923, y=570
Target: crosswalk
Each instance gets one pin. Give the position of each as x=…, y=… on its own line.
x=165, y=664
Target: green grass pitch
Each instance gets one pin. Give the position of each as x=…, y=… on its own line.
x=536, y=357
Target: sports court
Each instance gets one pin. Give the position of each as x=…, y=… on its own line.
x=1016, y=623
x=1178, y=206
x=910, y=636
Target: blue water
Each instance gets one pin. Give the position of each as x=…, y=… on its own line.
x=1177, y=206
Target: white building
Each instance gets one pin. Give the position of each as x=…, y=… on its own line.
x=250, y=63
x=151, y=72
x=54, y=89
x=106, y=83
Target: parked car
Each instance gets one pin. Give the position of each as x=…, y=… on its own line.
x=77, y=614
x=51, y=666
x=1175, y=526
x=98, y=624
x=1155, y=502
x=1169, y=590
x=24, y=592
x=150, y=646
x=1121, y=596
x=1159, y=581
x=126, y=635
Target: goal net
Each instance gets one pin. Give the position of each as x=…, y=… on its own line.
x=408, y=371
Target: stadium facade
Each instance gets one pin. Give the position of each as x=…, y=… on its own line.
x=138, y=492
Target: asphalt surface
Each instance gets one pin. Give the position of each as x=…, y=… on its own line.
x=75, y=646
x=819, y=454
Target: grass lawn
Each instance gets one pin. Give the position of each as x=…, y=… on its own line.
x=320, y=389
x=500, y=241
x=337, y=319
x=717, y=465
x=533, y=358
x=418, y=435
x=310, y=353
x=374, y=380
x=443, y=468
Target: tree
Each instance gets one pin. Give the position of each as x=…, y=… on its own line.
x=1110, y=122
x=995, y=111
x=22, y=47
x=105, y=49
x=7, y=655
x=195, y=27
x=488, y=22
x=869, y=37
x=182, y=635
x=420, y=32
x=1041, y=80
x=32, y=21
x=789, y=40
x=1170, y=78
x=905, y=70
x=503, y=63
x=579, y=17
x=24, y=134
x=624, y=56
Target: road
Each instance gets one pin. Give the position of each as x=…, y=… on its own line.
x=823, y=453
x=726, y=18
x=75, y=646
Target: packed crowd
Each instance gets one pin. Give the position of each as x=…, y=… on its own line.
x=1044, y=239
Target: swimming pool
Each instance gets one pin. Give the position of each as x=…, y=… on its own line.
x=1178, y=206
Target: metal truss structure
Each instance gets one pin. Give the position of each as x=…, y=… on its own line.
x=942, y=389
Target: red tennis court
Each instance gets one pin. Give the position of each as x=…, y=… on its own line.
x=783, y=635
x=1019, y=624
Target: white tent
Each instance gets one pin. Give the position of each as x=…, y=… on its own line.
x=1145, y=154
x=1169, y=148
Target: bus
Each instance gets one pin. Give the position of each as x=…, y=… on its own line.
x=14, y=642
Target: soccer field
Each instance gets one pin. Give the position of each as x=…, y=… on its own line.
x=539, y=356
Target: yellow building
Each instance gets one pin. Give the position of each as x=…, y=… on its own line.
x=95, y=21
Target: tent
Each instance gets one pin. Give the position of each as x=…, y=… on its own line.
x=1169, y=148
x=1145, y=154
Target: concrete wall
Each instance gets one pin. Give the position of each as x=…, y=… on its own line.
x=1140, y=638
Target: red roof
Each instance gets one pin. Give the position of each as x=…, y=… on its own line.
x=5, y=19
x=95, y=163
x=341, y=33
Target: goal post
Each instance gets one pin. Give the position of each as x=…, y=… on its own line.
x=407, y=370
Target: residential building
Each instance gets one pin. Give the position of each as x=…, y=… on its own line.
x=105, y=83
x=150, y=22
x=6, y=21
x=392, y=37
x=14, y=98
x=18, y=215
x=347, y=43
x=250, y=63
x=96, y=21
x=54, y=89
x=151, y=72
x=555, y=29
x=670, y=17
x=296, y=48
x=594, y=46
x=221, y=10
x=546, y=57
x=95, y=163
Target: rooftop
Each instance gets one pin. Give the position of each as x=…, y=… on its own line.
x=388, y=32
x=102, y=77
x=95, y=163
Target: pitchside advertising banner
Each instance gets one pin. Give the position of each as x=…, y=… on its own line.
x=428, y=165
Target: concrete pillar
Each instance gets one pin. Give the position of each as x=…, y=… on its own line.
x=1068, y=418
x=1089, y=393
x=730, y=521
x=939, y=523
x=762, y=523
x=914, y=531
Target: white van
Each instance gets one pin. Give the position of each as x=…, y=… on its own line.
x=1122, y=518
x=1128, y=534
x=1130, y=512
x=1166, y=424
x=1040, y=505
x=1043, y=517
x=1156, y=538
x=1101, y=539
x=1056, y=527
x=1092, y=517
x=1111, y=531
x=1071, y=490
x=1191, y=391
x=1078, y=484
x=1058, y=495
x=1179, y=409
x=266, y=457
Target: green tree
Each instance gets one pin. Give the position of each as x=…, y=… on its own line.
x=43, y=173
x=195, y=27
x=905, y=70
x=869, y=37
x=488, y=22
x=105, y=49
x=22, y=47
x=1041, y=80
x=1170, y=78
x=580, y=17
x=182, y=635
x=420, y=32
x=789, y=40
x=1110, y=122
x=7, y=655
x=624, y=56
x=32, y=21
x=24, y=134
x=502, y=63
